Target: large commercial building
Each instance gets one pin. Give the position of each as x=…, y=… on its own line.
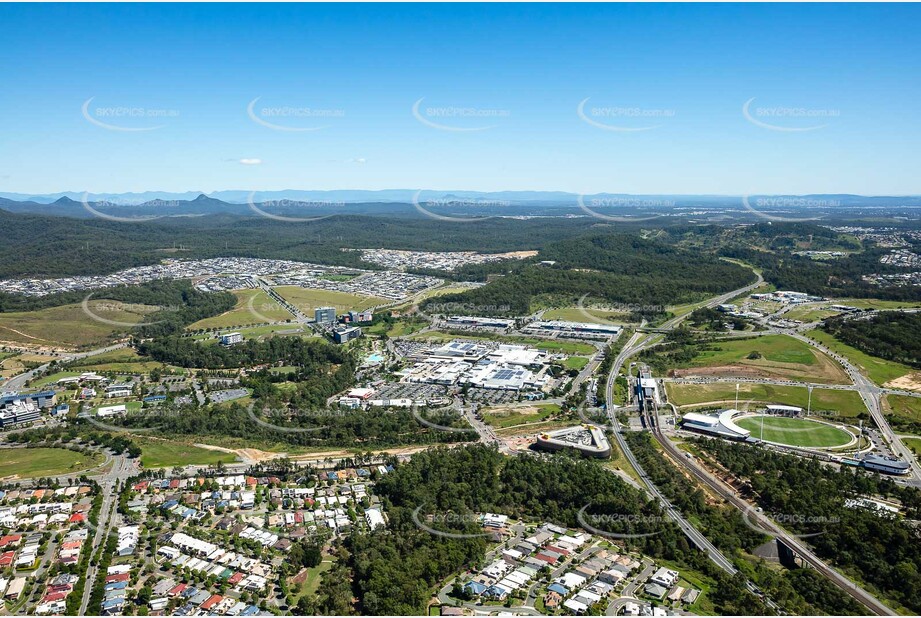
x=886, y=465
x=479, y=322
x=44, y=399
x=19, y=411
x=587, y=439
x=719, y=425
x=325, y=315
x=16, y=409
x=357, y=317
x=346, y=333
x=563, y=326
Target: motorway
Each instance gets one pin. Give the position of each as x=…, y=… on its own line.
x=636, y=344
x=870, y=393
x=765, y=523
x=633, y=346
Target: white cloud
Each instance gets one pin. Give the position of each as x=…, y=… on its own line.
x=251, y=161
x=358, y=160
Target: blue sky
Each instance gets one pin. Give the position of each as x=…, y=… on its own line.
x=667, y=84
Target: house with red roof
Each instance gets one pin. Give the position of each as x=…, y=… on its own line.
x=213, y=600
x=54, y=596
x=10, y=539
x=176, y=590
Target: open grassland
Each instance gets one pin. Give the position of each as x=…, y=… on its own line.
x=308, y=299
x=575, y=362
x=452, y=288
x=846, y=404
x=400, y=328
x=68, y=326
x=253, y=307
x=509, y=416
x=161, y=453
x=879, y=370
x=551, y=345
x=914, y=445
x=587, y=314
x=15, y=363
x=534, y=428
x=120, y=355
x=902, y=411
x=124, y=361
x=819, y=311
x=770, y=356
x=265, y=330
x=33, y=462
x=795, y=431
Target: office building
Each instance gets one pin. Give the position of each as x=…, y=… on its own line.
x=231, y=338
x=346, y=334
x=325, y=315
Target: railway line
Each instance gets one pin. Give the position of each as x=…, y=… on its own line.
x=729, y=494
x=637, y=343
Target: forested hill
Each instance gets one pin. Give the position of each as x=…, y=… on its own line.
x=891, y=335
x=46, y=246
x=648, y=275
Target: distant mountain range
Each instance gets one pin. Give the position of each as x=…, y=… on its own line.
x=300, y=204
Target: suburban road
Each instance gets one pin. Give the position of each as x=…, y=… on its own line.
x=17, y=382
x=122, y=469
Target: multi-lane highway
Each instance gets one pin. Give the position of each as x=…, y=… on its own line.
x=642, y=341
x=765, y=523
x=870, y=393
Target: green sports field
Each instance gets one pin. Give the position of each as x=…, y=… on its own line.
x=795, y=431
